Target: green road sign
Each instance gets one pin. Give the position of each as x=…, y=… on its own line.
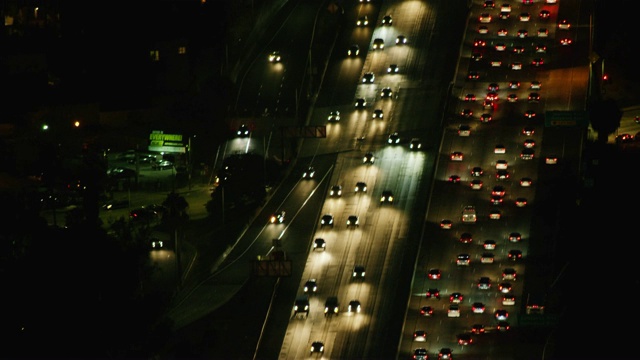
x=566, y=118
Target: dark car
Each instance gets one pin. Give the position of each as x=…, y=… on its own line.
x=360, y=187
x=358, y=272
x=331, y=306
x=336, y=190
x=317, y=347
x=354, y=306
x=352, y=220
x=514, y=255
x=465, y=339
x=386, y=197
x=327, y=219
x=311, y=286
x=309, y=173
x=319, y=244
x=433, y=293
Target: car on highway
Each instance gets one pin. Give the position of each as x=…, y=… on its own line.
x=464, y=130
x=377, y=114
x=487, y=258
x=386, y=92
x=301, y=305
x=277, y=218
x=326, y=220
x=360, y=103
x=464, y=339
x=432, y=293
x=358, y=272
x=415, y=144
x=501, y=314
x=476, y=171
x=420, y=335
x=509, y=274
x=335, y=191
x=476, y=184
x=387, y=20
x=477, y=329
x=393, y=69
x=426, y=311
x=551, y=160
x=331, y=306
x=243, y=131
x=489, y=245
x=319, y=244
x=401, y=40
x=446, y=224
x=478, y=308
x=362, y=21
x=334, y=116
x=484, y=283
x=456, y=298
x=393, y=138
x=485, y=18
x=420, y=354
x=485, y=118
x=515, y=237
x=498, y=190
x=368, y=78
x=386, y=197
x=466, y=238
x=512, y=98
x=317, y=347
x=454, y=179
x=502, y=175
x=521, y=202
x=309, y=173
x=353, y=221
x=508, y=300
x=354, y=307
x=466, y=113
x=526, y=182
x=434, y=274
x=378, y=44
x=463, y=260
x=360, y=187
x=564, y=24
x=505, y=287
x=368, y=158
x=457, y=156
x=495, y=214
x=454, y=310
x=514, y=255
x=275, y=57
x=310, y=286
x=445, y=354
x=354, y=50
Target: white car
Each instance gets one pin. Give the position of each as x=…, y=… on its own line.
x=476, y=184
x=487, y=258
x=454, y=311
x=550, y=160
x=502, y=165
x=526, y=182
x=485, y=18
x=516, y=65
x=495, y=214
x=535, y=85
x=499, y=149
x=508, y=300
x=543, y=32
x=464, y=130
x=505, y=8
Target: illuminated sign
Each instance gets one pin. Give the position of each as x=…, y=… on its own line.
x=166, y=143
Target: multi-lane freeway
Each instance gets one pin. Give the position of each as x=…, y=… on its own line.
x=397, y=243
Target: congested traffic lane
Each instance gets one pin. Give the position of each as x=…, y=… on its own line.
x=449, y=198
